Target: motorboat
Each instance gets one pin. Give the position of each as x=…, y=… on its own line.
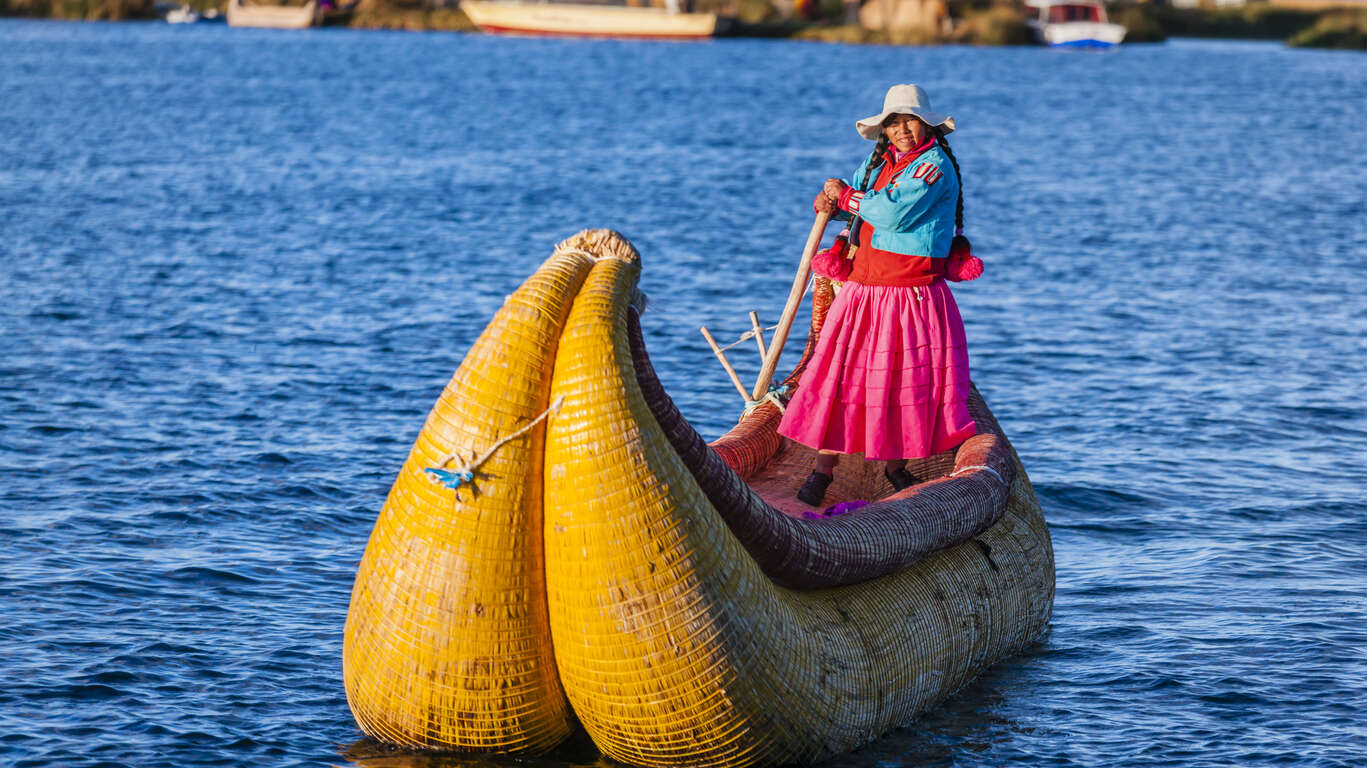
x=245, y=14
x=1072, y=24
x=518, y=17
x=182, y=14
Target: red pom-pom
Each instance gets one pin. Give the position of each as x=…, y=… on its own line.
x=961, y=270
x=831, y=262
x=963, y=265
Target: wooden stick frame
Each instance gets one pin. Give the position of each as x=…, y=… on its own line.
x=759, y=334
x=785, y=323
x=716, y=350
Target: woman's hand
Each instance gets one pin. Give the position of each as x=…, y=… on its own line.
x=833, y=188
x=822, y=203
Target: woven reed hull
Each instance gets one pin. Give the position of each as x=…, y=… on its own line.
x=592, y=571
x=673, y=646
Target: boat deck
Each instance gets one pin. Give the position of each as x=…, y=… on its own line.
x=855, y=478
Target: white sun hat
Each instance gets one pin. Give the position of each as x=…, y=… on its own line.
x=904, y=100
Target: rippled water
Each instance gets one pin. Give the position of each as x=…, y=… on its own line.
x=239, y=266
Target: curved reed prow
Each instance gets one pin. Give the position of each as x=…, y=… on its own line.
x=447, y=642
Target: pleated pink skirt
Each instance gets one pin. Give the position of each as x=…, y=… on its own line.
x=888, y=377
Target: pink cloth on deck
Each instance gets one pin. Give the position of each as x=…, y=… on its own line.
x=888, y=377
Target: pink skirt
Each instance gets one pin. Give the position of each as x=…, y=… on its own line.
x=888, y=377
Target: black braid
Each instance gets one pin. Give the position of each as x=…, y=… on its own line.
x=879, y=150
x=959, y=210
x=876, y=160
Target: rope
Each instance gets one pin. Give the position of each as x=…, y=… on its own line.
x=775, y=395
x=750, y=334
x=465, y=473
x=961, y=470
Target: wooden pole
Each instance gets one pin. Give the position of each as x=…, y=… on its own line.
x=759, y=333
x=785, y=323
x=711, y=342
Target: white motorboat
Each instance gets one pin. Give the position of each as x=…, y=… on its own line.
x=1072, y=24
x=241, y=14
x=182, y=14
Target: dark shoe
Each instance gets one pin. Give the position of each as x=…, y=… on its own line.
x=900, y=478
x=814, y=489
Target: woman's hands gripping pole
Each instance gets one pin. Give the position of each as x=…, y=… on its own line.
x=827, y=197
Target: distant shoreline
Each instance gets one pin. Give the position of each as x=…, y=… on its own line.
x=1343, y=28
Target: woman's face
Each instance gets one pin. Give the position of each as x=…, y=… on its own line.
x=905, y=131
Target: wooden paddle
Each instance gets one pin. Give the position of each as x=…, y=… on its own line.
x=785, y=323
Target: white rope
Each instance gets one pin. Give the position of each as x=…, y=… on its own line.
x=774, y=396
x=465, y=473
x=983, y=467
x=750, y=334
x=744, y=337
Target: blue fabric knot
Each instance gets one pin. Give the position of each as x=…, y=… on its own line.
x=452, y=480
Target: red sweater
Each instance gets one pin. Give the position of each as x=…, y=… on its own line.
x=873, y=266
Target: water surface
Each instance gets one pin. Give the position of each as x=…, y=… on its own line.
x=239, y=266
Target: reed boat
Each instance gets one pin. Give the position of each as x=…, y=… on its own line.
x=244, y=14
x=562, y=546
x=560, y=19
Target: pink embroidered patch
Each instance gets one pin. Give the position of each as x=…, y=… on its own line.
x=928, y=173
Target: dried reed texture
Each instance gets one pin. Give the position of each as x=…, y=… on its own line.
x=675, y=648
x=447, y=640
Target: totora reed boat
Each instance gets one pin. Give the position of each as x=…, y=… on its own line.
x=587, y=557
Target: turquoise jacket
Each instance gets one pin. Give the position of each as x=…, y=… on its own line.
x=914, y=213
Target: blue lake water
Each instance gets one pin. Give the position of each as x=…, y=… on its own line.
x=239, y=266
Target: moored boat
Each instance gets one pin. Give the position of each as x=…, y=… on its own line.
x=244, y=14
x=590, y=557
x=1072, y=24
x=518, y=17
x=182, y=14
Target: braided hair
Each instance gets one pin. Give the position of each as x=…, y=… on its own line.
x=958, y=208
x=876, y=160
x=960, y=242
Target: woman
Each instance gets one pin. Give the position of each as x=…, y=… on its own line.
x=889, y=375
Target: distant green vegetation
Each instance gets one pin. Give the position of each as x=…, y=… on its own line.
x=79, y=10
x=993, y=25
x=1344, y=29
x=414, y=17
x=1330, y=28
x=1255, y=21
x=1140, y=25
